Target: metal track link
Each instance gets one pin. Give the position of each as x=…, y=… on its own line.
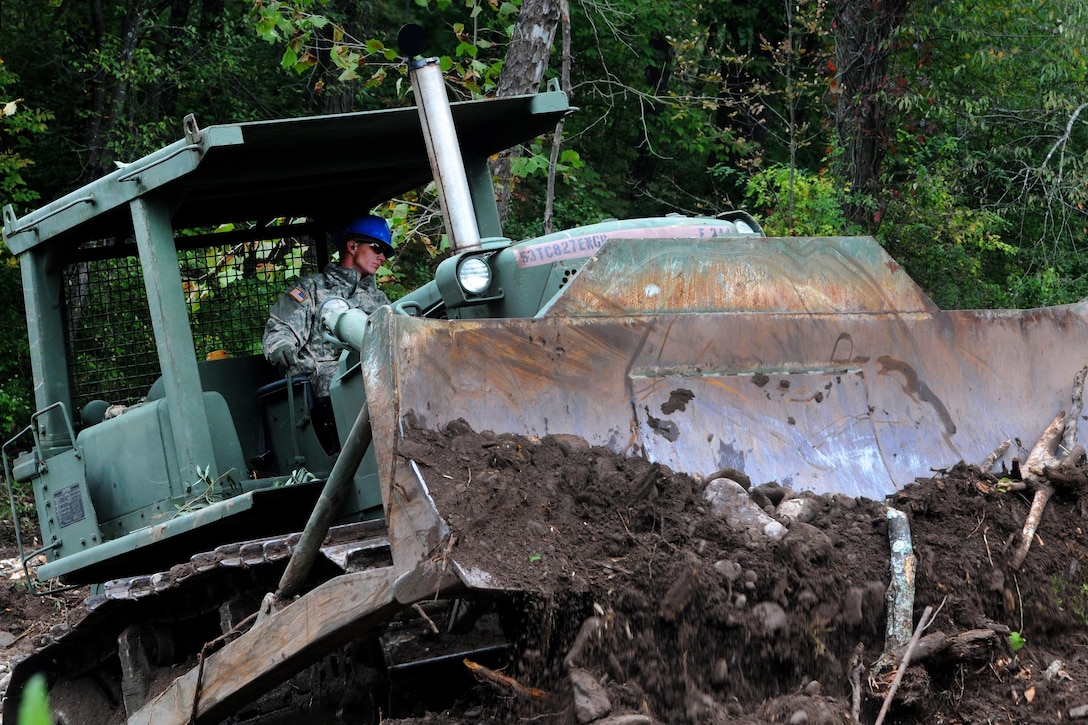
x=352, y=547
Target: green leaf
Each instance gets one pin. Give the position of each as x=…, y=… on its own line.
x=290, y=58
x=1017, y=641
x=34, y=709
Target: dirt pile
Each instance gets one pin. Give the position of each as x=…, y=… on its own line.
x=657, y=597
x=662, y=597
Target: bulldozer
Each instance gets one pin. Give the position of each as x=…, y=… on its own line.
x=178, y=474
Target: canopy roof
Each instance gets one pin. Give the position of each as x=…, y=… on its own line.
x=328, y=168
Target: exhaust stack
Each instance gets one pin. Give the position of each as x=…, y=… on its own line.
x=443, y=149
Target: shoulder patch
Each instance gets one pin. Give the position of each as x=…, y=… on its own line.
x=298, y=294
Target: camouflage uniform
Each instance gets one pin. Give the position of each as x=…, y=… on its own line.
x=293, y=320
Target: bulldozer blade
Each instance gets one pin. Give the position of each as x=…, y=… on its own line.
x=281, y=645
x=856, y=385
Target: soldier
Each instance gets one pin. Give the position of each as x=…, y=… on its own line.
x=292, y=337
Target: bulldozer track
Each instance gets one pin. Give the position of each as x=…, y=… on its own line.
x=228, y=581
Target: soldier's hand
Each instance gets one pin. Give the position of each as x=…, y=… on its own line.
x=283, y=356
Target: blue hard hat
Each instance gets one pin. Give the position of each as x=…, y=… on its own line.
x=369, y=228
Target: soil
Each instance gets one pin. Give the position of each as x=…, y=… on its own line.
x=652, y=607
x=645, y=601
x=28, y=619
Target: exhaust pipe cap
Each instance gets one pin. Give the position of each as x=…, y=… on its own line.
x=411, y=40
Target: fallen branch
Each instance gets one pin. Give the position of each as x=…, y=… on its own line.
x=856, y=668
x=971, y=646
x=900, y=595
x=1069, y=438
x=923, y=622
x=997, y=453
x=1041, y=457
x=430, y=622
x=968, y=646
x=503, y=682
x=1072, y=473
x=1044, y=452
x=1042, y=462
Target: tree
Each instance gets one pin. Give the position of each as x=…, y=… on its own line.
x=528, y=57
x=18, y=124
x=989, y=115
x=865, y=40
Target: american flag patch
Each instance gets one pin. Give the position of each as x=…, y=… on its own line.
x=298, y=294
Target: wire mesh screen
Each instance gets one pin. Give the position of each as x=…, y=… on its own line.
x=111, y=345
x=228, y=291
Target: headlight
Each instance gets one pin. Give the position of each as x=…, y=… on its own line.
x=329, y=313
x=474, y=275
x=743, y=227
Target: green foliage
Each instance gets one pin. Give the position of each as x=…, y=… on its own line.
x=17, y=124
x=796, y=203
x=954, y=250
x=1072, y=596
x=307, y=30
x=34, y=708
x=16, y=393
x=207, y=491
x=584, y=197
x=1008, y=146
x=1017, y=641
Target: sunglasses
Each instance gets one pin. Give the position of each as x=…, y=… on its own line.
x=375, y=246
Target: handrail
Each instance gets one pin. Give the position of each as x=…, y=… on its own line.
x=88, y=199
x=25, y=558
x=136, y=172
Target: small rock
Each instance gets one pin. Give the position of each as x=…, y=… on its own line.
x=844, y=501
x=852, y=612
x=730, y=570
x=798, y=509
x=799, y=718
x=1079, y=712
x=729, y=500
x=775, y=491
x=760, y=498
x=590, y=699
x=732, y=474
x=772, y=616
x=876, y=594
x=680, y=592
x=570, y=443
x=719, y=675
x=806, y=543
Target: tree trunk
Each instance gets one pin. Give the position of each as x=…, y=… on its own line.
x=523, y=71
x=111, y=91
x=863, y=43
x=326, y=93
x=530, y=49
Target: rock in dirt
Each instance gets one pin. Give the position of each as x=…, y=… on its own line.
x=590, y=698
x=729, y=500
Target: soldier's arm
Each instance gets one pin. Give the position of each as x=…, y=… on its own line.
x=289, y=320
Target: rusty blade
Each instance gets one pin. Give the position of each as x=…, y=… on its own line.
x=859, y=391
x=856, y=403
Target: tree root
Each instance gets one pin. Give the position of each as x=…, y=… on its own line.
x=1042, y=464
